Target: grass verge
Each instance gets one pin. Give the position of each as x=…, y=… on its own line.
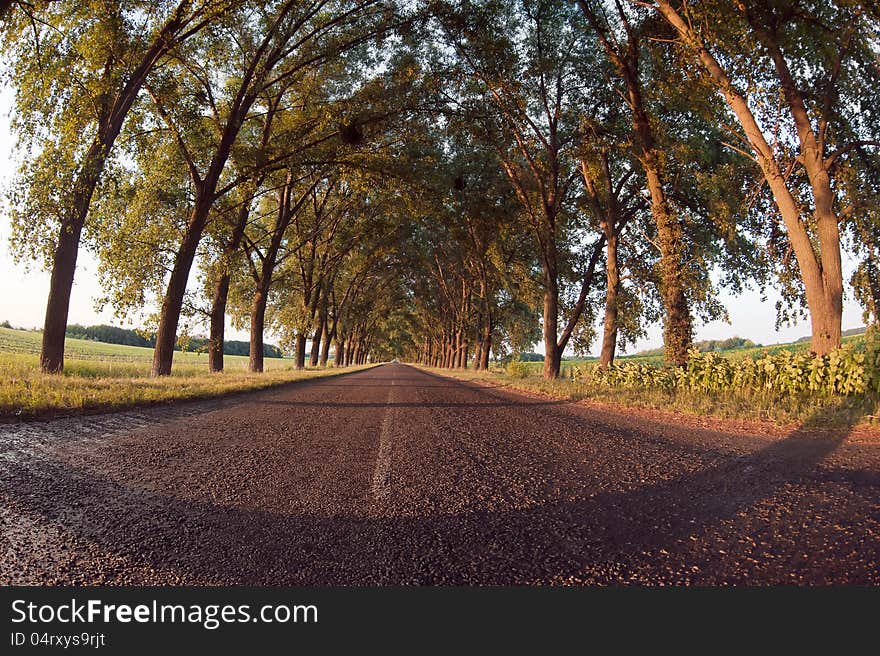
x=94, y=385
x=808, y=410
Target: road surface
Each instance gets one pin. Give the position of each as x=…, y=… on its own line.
x=396, y=476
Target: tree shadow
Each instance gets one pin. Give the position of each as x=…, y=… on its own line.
x=414, y=404
x=601, y=537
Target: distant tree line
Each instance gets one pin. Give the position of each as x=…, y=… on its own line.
x=713, y=345
x=129, y=337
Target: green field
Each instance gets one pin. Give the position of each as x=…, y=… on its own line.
x=104, y=356
x=98, y=375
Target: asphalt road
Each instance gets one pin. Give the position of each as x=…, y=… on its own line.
x=397, y=476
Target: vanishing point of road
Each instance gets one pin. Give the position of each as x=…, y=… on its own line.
x=393, y=475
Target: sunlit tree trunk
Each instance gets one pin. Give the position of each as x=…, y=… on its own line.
x=221, y=290
x=678, y=324
x=819, y=259
x=326, y=338
x=552, y=355
x=258, y=321
x=299, y=351
x=612, y=281
x=316, y=345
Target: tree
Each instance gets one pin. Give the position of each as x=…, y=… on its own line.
x=278, y=45
x=107, y=50
x=795, y=77
x=523, y=60
x=622, y=40
x=292, y=195
x=612, y=197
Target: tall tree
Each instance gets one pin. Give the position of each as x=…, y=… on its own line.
x=523, y=59
x=278, y=43
x=623, y=40
x=78, y=71
x=795, y=76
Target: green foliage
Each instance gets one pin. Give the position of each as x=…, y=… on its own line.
x=517, y=369
x=109, y=335
x=814, y=411
x=439, y=171
x=850, y=370
x=129, y=337
x=709, y=345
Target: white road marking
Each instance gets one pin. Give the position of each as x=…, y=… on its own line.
x=381, y=487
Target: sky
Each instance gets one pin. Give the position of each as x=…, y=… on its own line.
x=23, y=292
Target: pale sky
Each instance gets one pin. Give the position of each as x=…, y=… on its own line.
x=23, y=294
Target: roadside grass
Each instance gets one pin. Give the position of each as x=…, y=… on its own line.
x=808, y=410
x=113, y=376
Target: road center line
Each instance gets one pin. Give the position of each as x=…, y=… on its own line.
x=380, y=487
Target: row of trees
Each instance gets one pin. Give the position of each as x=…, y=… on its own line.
x=426, y=181
x=129, y=337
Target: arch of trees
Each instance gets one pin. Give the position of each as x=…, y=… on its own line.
x=443, y=182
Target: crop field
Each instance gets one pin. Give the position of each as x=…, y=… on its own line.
x=103, y=357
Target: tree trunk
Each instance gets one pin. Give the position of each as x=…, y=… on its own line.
x=320, y=336
x=258, y=320
x=338, y=353
x=218, y=323
x=552, y=355
x=822, y=276
x=300, y=350
x=65, y=255
x=166, y=336
x=826, y=312
x=356, y=355
x=678, y=327
x=326, y=338
x=221, y=288
x=58, y=304
x=487, y=345
x=612, y=275
x=316, y=345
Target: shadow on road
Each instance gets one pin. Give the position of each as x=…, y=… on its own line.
x=665, y=530
x=414, y=404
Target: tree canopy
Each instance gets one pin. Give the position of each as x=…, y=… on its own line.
x=446, y=182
